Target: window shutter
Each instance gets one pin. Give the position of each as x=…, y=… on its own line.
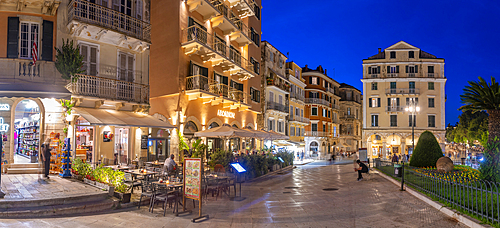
x=416, y=100
x=93, y=61
x=416, y=69
x=369, y=102
x=406, y=69
x=388, y=101
x=13, y=37
x=397, y=69
x=224, y=80
x=369, y=70
x=388, y=69
x=378, y=102
x=47, y=40
x=378, y=70
x=204, y=71
x=310, y=80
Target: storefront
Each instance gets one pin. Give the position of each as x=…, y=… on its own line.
x=118, y=137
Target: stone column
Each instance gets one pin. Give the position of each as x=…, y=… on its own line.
x=403, y=148
x=369, y=148
x=384, y=150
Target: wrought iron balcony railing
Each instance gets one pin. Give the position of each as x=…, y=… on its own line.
x=93, y=86
x=317, y=134
x=201, y=82
x=105, y=17
x=317, y=101
x=277, y=106
x=402, y=91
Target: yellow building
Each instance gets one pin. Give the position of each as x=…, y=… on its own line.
x=296, y=119
x=393, y=80
x=350, y=118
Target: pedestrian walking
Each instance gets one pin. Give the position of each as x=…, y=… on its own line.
x=46, y=157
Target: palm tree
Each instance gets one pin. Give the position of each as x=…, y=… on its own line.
x=480, y=96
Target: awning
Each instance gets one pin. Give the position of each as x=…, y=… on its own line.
x=34, y=90
x=120, y=118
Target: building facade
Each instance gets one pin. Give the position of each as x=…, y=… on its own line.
x=350, y=118
x=205, y=65
x=111, y=95
x=393, y=80
x=29, y=110
x=322, y=108
x=276, y=90
x=296, y=120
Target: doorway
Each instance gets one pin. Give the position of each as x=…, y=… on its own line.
x=26, y=132
x=121, y=145
x=157, y=149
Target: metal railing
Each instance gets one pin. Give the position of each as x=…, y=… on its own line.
x=277, y=106
x=278, y=82
x=197, y=34
x=93, y=86
x=331, y=90
x=394, y=108
x=241, y=26
x=477, y=197
x=411, y=75
x=298, y=119
x=430, y=75
x=373, y=75
x=392, y=75
x=102, y=16
x=336, y=106
x=349, y=116
x=402, y=91
x=317, y=101
x=201, y=82
x=317, y=134
x=297, y=96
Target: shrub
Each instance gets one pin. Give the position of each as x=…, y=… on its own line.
x=489, y=168
x=427, y=151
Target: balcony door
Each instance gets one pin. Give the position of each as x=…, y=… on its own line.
x=90, y=55
x=199, y=77
x=125, y=85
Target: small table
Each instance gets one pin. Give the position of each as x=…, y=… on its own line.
x=117, y=167
x=137, y=172
x=169, y=185
x=155, y=164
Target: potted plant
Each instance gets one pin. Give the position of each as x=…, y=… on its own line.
x=270, y=81
x=122, y=194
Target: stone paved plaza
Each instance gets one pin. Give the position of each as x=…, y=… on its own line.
x=31, y=186
x=271, y=203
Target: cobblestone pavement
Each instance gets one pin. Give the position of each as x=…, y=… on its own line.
x=30, y=187
x=294, y=199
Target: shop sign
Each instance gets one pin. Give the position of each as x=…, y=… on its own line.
x=3, y=127
x=4, y=107
x=227, y=114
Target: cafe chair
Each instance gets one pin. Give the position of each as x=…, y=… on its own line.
x=148, y=191
x=131, y=183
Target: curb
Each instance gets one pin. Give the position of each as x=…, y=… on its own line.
x=272, y=173
x=465, y=219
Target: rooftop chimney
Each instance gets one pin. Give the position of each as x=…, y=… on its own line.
x=325, y=71
x=379, y=50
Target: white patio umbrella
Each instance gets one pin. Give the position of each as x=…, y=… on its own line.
x=225, y=131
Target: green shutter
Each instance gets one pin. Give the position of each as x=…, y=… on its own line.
x=47, y=40
x=406, y=69
x=388, y=69
x=369, y=102
x=397, y=69
x=13, y=37
x=378, y=102
x=416, y=69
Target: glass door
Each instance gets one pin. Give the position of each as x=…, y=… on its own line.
x=121, y=144
x=157, y=150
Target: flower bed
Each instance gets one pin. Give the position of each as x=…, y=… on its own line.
x=100, y=177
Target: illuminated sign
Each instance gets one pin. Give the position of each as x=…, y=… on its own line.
x=281, y=159
x=238, y=167
x=4, y=107
x=227, y=114
x=3, y=127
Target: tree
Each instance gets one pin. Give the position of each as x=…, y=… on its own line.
x=480, y=96
x=427, y=151
x=68, y=60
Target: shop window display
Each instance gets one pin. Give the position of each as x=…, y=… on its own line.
x=27, y=132
x=84, y=140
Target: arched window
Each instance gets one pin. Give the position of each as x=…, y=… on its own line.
x=234, y=125
x=190, y=128
x=212, y=125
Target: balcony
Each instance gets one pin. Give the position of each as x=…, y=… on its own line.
x=279, y=83
x=203, y=7
x=394, y=109
x=297, y=96
x=411, y=75
x=24, y=70
x=405, y=91
x=393, y=75
x=373, y=75
x=277, y=107
x=317, y=101
x=430, y=75
x=336, y=106
x=299, y=119
x=103, y=17
x=317, y=134
x=245, y=8
x=211, y=91
x=224, y=21
x=348, y=117
x=197, y=41
x=99, y=87
x=331, y=90
x=242, y=34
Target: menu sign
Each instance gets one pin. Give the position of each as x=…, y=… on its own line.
x=192, y=177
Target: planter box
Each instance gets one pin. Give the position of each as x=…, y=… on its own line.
x=77, y=177
x=87, y=181
x=96, y=184
x=124, y=197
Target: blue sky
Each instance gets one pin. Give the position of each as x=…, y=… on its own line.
x=339, y=34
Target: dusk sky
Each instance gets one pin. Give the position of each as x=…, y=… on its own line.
x=339, y=34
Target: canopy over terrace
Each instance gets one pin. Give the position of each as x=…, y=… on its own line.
x=120, y=118
x=224, y=131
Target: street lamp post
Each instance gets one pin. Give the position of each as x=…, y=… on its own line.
x=413, y=109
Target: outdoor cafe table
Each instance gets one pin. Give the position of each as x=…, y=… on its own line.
x=137, y=172
x=155, y=164
x=117, y=167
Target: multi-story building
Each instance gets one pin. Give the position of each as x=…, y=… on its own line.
x=296, y=119
x=111, y=95
x=276, y=90
x=205, y=66
x=322, y=108
x=394, y=79
x=29, y=111
x=350, y=118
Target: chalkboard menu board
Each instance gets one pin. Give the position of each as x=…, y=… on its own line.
x=144, y=142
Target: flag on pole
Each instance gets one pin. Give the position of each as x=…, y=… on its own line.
x=34, y=50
